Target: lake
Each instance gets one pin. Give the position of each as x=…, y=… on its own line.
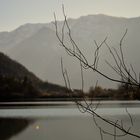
x=64, y=121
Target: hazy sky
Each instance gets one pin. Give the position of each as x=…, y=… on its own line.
x=14, y=13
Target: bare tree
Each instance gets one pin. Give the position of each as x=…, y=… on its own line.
x=127, y=75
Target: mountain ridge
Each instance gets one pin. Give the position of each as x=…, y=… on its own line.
x=70, y=18
x=18, y=83
x=11, y=68
x=40, y=52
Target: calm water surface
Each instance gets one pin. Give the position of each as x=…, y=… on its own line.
x=63, y=121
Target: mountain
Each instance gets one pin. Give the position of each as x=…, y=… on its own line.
x=11, y=68
x=38, y=52
x=36, y=47
x=10, y=39
x=16, y=82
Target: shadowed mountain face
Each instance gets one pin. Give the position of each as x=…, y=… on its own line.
x=17, y=83
x=11, y=68
x=36, y=47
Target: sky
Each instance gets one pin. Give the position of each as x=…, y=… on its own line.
x=14, y=13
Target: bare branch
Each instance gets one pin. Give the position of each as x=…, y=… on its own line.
x=63, y=73
x=128, y=76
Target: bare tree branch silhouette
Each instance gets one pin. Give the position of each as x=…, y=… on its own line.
x=126, y=73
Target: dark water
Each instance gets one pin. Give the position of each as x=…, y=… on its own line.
x=63, y=121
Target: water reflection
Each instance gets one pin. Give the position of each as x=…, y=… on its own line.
x=12, y=126
x=66, y=122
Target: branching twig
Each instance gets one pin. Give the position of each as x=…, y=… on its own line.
x=120, y=68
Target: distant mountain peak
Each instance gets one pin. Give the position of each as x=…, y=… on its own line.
x=102, y=16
